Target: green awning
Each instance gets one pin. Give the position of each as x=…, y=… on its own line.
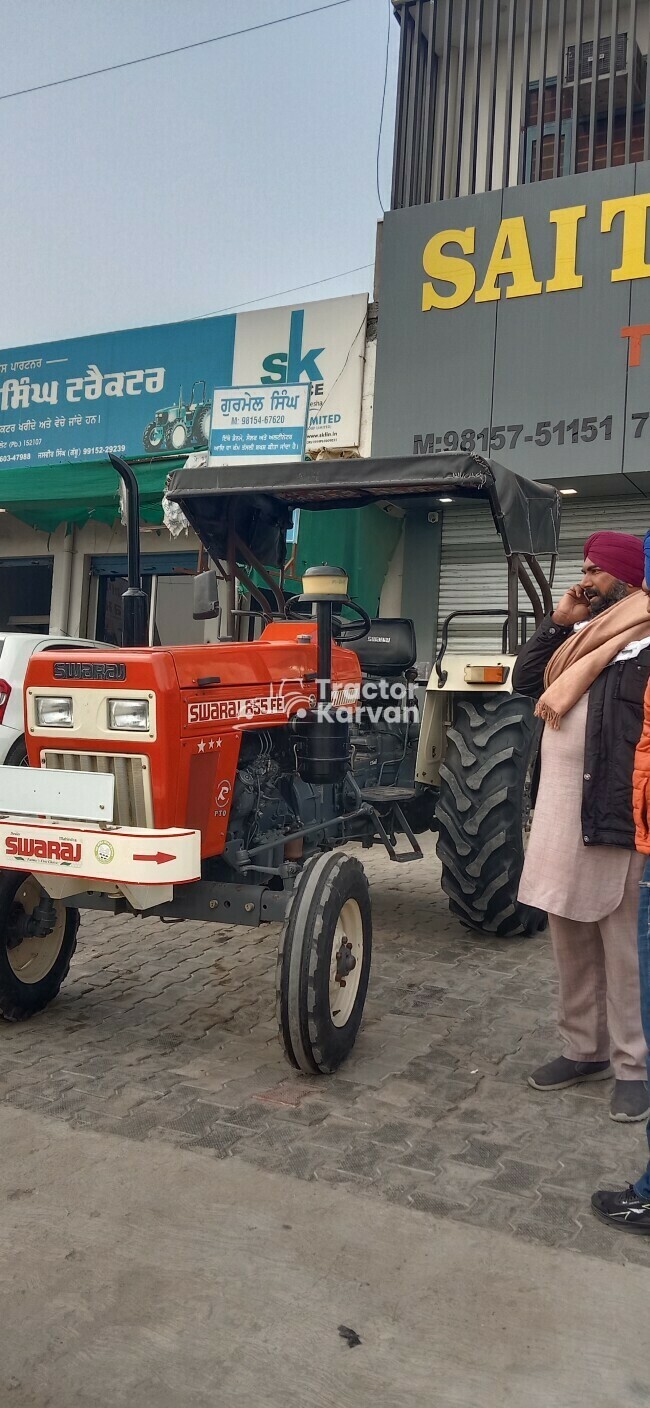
x=360, y=540
x=75, y=493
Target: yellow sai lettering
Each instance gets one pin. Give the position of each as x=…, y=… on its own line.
x=511, y=255
x=634, y=210
x=449, y=269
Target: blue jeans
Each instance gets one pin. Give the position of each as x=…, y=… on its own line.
x=643, y=1185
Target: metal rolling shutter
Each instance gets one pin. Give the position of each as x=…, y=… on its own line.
x=473, y=572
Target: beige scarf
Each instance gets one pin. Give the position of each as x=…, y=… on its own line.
x=573, y=668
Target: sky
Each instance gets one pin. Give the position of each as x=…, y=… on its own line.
x=194, y=183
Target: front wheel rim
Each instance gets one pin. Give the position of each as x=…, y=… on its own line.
x=346, y=963
x=33, y=958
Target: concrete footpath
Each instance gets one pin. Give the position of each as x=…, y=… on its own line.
x=140, y=1275
x=184, y=1220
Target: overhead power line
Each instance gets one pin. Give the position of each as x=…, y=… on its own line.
x=297, y=288
x=180, y=49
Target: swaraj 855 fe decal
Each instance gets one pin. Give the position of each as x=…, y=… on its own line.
x=262, y=706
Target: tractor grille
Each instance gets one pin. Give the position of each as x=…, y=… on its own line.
x=132, y=781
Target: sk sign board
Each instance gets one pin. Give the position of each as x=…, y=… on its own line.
x=147, y=392
x=515, y=324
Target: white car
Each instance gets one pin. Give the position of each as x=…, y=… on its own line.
x=16, y=650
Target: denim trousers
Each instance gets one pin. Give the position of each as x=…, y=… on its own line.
x=643, y=1185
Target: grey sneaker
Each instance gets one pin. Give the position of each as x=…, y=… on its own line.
x=561, y=1073
x=629, y=1102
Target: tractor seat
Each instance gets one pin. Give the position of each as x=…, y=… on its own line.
x=388, y=648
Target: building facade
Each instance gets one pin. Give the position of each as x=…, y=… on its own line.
x=62, y=540
x=514, y=273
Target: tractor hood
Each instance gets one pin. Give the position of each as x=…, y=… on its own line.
x=526, y=514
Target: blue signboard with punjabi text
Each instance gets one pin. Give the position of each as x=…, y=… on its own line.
x=148, y=392
x=137, y=393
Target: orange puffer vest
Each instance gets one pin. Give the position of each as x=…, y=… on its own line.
x=641, y=782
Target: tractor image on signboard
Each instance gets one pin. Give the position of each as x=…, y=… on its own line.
x=185, y=426
x=221, y=782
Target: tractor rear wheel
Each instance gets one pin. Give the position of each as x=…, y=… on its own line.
x=483, y=811
x=324, y=963
x=201, y=425
x=32, y=967
x=177, y=435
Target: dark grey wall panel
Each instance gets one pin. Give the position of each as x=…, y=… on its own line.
x=637, y=422
x=434, y=370
x=558, y=356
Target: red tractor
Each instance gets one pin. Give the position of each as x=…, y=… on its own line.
x=219, y=782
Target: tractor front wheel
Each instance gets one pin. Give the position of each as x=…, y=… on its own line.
x=153, y=438
x=324, y=963
x=483, y=812
x=38, y=937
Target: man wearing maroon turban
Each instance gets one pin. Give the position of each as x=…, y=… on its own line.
x=587, y=665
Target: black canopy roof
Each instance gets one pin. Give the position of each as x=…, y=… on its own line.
x=258, y=500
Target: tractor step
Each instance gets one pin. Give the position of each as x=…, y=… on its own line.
x=387, y=796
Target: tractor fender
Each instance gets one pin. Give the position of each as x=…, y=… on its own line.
x=437, y=705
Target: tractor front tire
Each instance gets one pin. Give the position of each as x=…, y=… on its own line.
x=32, y=969
x=153, y=438
x=324, y=963
x=483, y=809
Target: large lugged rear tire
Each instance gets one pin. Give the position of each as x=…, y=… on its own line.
x=324, y=963
x=483, y=808
x=32, y=969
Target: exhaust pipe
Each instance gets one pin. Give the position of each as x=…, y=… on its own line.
x=135, y=611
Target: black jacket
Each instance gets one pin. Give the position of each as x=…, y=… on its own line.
x=614, y=723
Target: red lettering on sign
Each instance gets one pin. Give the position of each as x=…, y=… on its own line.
x=636, y=334
x=36, y=848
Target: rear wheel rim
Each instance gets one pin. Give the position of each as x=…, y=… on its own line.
x=33, y=958
x=346, y=963
x=178, y=437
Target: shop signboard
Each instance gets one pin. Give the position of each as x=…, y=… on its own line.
x=147, y=392
x=517, y=324
x=255, y=424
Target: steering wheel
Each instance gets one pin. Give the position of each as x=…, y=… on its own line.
x=346, y=631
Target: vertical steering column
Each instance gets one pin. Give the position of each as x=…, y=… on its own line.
x=324, y=586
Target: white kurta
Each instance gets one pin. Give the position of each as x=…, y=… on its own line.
x=561, y=874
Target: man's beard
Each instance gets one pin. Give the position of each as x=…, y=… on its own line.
x=601, y=603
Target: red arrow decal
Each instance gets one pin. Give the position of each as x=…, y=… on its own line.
x=160, y=857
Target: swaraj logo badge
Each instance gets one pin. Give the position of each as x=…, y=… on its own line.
x=104, y=852
x=223, y=793
x=37, y=848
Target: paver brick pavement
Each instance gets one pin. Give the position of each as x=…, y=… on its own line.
x=169, y=1035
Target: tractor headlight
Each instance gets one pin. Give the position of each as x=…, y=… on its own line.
x=53, y=711
x=131, y=715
